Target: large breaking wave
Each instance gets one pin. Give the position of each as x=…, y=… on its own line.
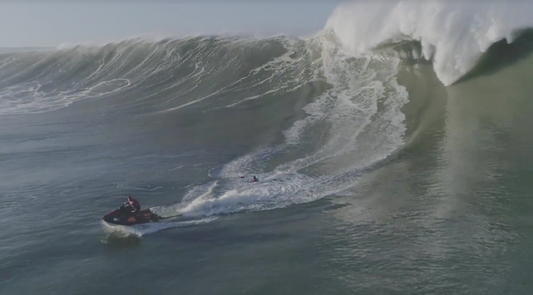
x=353, y=117
x=453, y=34
x=347, y=98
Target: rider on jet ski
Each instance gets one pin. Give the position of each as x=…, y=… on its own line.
x=133, y=207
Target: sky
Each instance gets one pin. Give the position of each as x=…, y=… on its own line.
x=51, y=24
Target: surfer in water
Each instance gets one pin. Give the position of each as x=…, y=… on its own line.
x=254, y=178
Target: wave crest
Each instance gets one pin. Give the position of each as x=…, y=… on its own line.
x=454, y=35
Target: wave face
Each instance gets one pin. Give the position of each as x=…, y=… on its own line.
x=353, y=103
x=453, y=34
x=155, y=71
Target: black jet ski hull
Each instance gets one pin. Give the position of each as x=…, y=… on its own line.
x=122, y=217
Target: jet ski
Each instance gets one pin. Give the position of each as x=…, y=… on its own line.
x=121, y=216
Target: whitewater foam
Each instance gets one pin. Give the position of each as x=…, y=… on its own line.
x=453, y=34
x=365, y=100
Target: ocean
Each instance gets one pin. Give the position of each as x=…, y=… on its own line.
x=393, y=151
